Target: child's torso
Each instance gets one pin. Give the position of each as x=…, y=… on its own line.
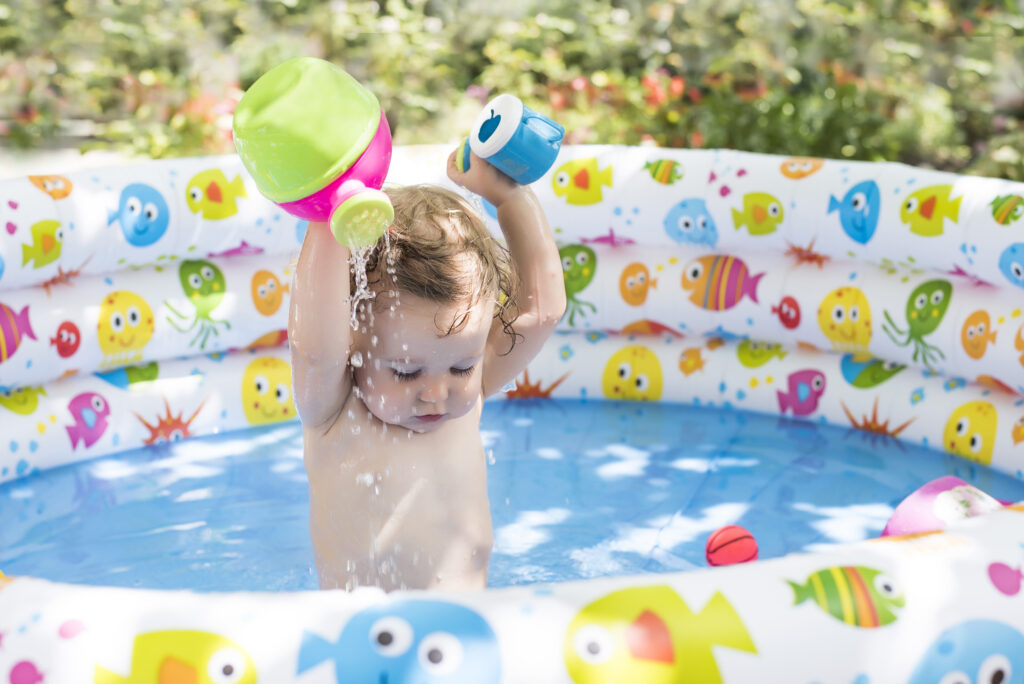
x=394, y=508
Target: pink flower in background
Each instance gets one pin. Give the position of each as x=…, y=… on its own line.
x=478, y=92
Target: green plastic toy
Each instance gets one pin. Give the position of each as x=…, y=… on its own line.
x=318, y=145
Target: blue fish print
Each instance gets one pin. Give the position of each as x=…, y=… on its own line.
x=859, y=210
x=1011, y=263
x=985, y=650
x=431, y=642
x=143, y=214
x=689, y=221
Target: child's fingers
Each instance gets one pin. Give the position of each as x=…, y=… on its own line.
x=453, y=170
x=473, y=170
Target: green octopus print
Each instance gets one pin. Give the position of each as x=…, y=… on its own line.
x=203, y=284
x=579, y=264
x=925, y=310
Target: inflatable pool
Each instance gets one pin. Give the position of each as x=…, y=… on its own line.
x=870, y=307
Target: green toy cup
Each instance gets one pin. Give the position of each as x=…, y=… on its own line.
x=316, y=143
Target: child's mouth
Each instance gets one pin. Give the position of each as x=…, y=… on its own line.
x=431, y=417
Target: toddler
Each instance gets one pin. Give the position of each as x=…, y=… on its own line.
x=391, y=410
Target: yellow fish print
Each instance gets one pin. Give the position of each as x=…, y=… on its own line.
x=650, y=635
x=47, y=237
x=23, y=400
x=761, y=214
x=183, y=656
x=925, y=210
x=210, y=195
x=579, y=181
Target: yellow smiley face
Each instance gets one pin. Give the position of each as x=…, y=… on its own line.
x=632, y=374
x=125, y=326
x=267, y=391
x=844, y=317
x=971, y=432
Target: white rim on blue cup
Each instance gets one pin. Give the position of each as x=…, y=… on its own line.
x=496, y=125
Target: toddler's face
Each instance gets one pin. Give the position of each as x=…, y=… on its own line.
x=411, y=376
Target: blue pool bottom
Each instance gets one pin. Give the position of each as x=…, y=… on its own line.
x=577, y=489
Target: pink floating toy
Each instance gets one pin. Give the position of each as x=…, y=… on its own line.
x=937, y=504
x=317, y=144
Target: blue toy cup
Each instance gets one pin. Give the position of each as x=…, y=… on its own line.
x=516, y=139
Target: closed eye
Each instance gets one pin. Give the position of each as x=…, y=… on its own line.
x=405, y=376
x=463, y=372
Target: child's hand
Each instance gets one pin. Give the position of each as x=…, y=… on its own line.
x=483, y=179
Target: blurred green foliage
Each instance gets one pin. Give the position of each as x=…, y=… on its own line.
x=929, y=82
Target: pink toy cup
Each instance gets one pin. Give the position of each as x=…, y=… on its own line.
x=353, y=200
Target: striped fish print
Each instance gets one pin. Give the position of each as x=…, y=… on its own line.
x=856, y=595
x=13, y=328
x=665, y=171
x=718, y=282
x=1007, y=208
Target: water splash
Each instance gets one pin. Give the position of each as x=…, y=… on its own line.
x=357, y=262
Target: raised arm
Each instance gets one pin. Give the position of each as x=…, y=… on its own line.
x=535, y=258
x=318, y=328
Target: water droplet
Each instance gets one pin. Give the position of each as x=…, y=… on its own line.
x=373, y=341
x=356, y=359
x=355, y=429
x=490, y=456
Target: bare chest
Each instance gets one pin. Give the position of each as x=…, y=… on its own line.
x=375, y=468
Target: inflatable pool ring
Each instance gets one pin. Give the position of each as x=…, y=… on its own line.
x=318, y=145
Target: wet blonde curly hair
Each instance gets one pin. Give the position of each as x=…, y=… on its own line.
x=439, y=249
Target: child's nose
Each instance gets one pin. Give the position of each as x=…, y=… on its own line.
x=435, y=389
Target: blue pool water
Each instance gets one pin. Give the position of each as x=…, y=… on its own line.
x=577, y=490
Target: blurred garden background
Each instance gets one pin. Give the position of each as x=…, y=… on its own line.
x=937, y=83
